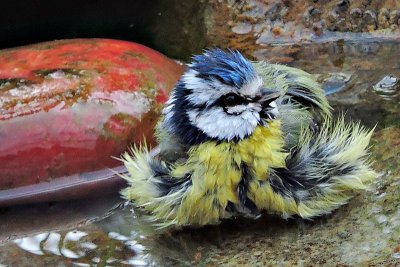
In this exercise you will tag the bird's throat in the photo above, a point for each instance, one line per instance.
(263, 150)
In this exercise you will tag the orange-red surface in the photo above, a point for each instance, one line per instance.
(68, 106)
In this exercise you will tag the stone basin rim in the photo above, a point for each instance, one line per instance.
(105, 181)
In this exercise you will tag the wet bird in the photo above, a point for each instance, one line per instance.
(238, 137)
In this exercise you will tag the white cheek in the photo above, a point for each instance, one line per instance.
(251, 117)
(217, 124)
(251, 107)
(236, 109)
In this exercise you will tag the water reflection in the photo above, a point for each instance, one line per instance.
(361, 78)
(83, 248)
(117, 240)
(55, 243)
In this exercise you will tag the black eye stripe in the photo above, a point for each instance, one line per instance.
(256, 98)
(231, 99)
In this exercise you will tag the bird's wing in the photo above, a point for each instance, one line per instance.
(302, 103)
(322, 172)
(171, 148)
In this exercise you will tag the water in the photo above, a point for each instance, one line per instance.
(361, 79)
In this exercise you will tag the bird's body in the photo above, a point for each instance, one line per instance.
(237, 138)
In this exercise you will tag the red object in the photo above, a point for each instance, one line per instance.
(68, 106)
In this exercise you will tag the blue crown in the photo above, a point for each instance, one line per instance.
(228, 67)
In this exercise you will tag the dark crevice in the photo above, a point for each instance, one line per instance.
(175, 28)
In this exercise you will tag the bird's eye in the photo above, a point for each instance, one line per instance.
(232, 100)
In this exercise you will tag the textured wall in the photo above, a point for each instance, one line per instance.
(248, 24)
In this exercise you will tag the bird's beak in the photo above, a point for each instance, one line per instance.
(269, 107)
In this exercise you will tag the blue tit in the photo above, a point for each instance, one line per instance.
(237, 138)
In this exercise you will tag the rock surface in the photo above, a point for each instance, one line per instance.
(251, 24)
(68, 106)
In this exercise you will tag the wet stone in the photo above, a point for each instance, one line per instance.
(335, 82)
(242, 28)
(341, 7)
(384, 18)
(356, 19)
(311, 16)
(318, 28)
(370, 21)
(295, 21)
(396, 255)
(395, 17)
(341, 25)
(60, 118)
(387, 87)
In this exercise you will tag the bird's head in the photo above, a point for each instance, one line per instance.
(220, 97)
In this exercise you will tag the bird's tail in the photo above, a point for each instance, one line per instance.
(325, 168)
(152, 188)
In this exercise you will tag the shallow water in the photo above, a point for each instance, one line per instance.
(361, 79)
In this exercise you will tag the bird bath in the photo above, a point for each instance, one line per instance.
(362, 80)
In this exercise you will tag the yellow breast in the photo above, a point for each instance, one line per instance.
(216, 170)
